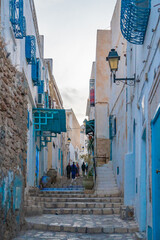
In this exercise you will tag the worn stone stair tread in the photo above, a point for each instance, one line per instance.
(84, 224)
(48, 199)
(117, 194)
(81, 205)
(82, 211)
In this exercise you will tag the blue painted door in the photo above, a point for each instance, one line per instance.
(156, 175)
(37, 167)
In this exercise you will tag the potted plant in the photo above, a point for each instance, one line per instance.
(88, 182)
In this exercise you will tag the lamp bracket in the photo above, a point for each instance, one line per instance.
(127, 81)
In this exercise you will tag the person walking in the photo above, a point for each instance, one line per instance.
(83, 168)
(68, 169)
(73, 169)
(77, 173)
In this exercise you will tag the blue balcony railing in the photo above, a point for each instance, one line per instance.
(134, 20)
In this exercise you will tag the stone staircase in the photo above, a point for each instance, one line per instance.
(67, 211)
(73, 203)
(78, 212)
(105, 181)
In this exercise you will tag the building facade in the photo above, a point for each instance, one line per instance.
(127, 110)
(37, 126)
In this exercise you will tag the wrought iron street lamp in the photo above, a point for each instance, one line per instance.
(113, 60)
(68, 140)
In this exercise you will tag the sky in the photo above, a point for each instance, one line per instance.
(69, 28)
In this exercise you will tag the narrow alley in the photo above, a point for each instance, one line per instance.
(79, 119)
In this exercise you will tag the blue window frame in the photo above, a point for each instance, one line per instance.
(30, 49)
(36, 72)
(17, 19)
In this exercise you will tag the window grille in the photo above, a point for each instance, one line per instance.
(30, 49)
(36, 72)
(17, 19)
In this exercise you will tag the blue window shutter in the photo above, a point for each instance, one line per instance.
(24, 26)
(59, 154)
(110, 126)
(36, 72)
(46, 100)
(30, 49)
(41, 87)
(17, 19)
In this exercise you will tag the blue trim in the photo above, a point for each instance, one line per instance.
(134, 20)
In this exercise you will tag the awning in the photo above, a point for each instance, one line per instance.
(47, 123)
(90, 127)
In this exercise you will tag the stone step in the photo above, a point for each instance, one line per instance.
(74, 205)
(84, 211)
(82, 224)
(51, 199)
(48, 235)
(66, 195)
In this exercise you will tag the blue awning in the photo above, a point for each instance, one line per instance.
(90, 127)
(49, 120)
(134, 20)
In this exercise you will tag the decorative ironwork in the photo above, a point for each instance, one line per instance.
(17, 19)
(134, 20)
(47, 123)
(30, 48)
(36, 72)
(127, 81)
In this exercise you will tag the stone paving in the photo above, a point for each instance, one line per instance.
(36, 235)
(82, 223)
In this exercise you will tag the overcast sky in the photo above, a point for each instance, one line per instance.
(69, 28)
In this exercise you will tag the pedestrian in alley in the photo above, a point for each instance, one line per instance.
(83, 168)
(77, 173)
(68, 169)
(73, 169)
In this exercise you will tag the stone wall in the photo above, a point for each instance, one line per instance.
(13, 146)
(103, 151)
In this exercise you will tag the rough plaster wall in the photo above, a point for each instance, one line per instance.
(13, 146)
(102, 93)
(103, 151)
